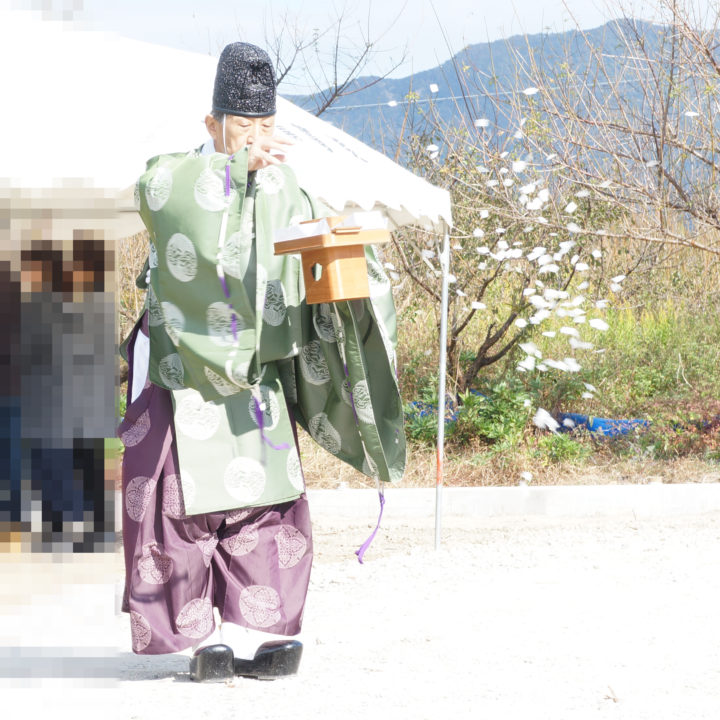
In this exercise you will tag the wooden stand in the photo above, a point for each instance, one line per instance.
(333, 262)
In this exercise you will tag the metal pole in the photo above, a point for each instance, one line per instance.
(445, 269)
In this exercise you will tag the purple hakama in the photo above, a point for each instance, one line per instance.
(252, 564)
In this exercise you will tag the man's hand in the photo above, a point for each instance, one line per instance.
(264, 150)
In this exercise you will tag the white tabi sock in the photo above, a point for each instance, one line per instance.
(245, 641)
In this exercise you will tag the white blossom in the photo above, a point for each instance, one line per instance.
(580, 344)
(527, 364)
(545, 421)
(539, 316)
(530, 348)
(552, 268)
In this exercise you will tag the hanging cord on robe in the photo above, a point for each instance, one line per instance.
(221, 245)
(259, 409)
(360, 552)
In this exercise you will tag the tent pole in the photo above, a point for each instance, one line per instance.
(445, 269)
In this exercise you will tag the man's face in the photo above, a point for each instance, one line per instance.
(239, 131)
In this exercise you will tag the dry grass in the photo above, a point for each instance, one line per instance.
(469, 469)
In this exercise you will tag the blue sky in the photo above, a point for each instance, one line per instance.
(396, 25)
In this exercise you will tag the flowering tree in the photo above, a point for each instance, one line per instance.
(524, 271)
(636, 120)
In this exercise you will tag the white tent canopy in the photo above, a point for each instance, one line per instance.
(89, 108)
(93, 107)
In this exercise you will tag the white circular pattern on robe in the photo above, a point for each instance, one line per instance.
(195, 620)
(270, 179)
(260, 605)
(219, 323)
(136, 434)
(155, 566)
(209, 190)
(174, 321)
(294, 470)
(172, 372)
(239, 373)
(137, 496)
(157, 190)
(379, 282)
(244, 479)
(236, 254)
(362, 403)
(291, 546)
(271, 413)
(196, 418)
(207, 544)
(275, 307)
(139, 631)
(242, 542)
(324, 433)
(221, 385)
(369, 467)
(152, 256)
(181, 257)
(313, 364)
(188, 489)
(172, 501)
(155, 313)
(322, 320)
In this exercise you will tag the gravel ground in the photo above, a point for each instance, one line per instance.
(535, 618)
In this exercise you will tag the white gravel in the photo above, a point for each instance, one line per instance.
(529, 618)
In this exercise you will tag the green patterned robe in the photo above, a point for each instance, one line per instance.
(237, 365)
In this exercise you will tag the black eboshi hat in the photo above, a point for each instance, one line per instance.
(244, 82)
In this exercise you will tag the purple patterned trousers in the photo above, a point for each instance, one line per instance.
(252, 564)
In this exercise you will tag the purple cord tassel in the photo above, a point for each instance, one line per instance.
(260, 418)
(227, 176)
(360, 552)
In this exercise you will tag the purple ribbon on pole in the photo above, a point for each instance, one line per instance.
(360, 552)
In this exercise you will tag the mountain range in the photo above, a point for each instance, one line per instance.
(375, 114)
